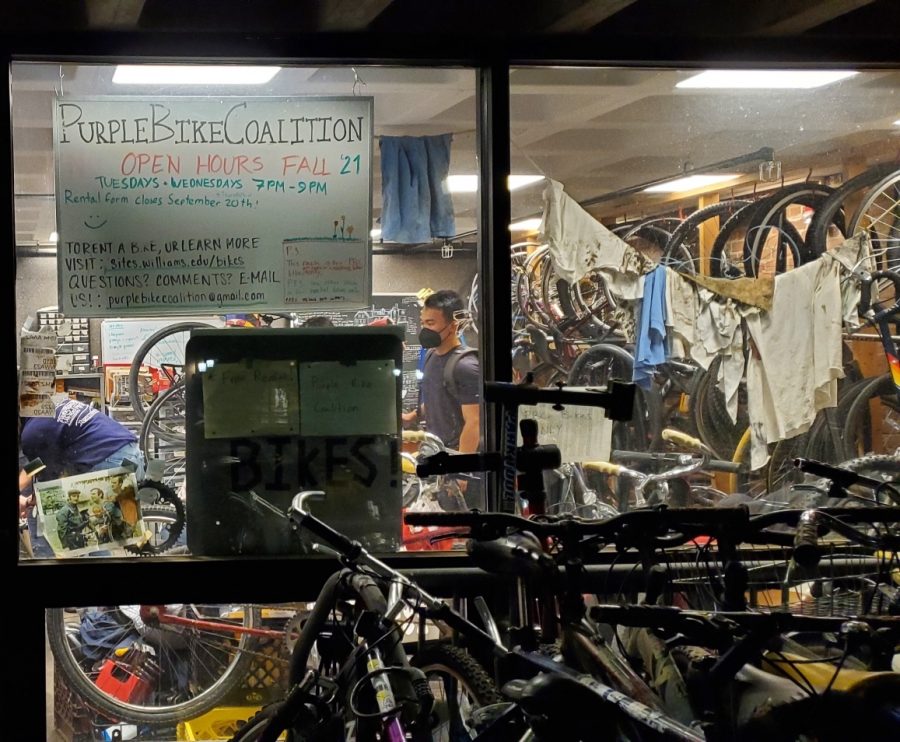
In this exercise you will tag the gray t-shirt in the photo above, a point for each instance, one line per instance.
(443, 416)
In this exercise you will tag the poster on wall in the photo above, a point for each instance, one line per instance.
(37, 372)
(212, 204)
(90, 512)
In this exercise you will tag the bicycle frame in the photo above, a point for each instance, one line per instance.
(161, 614)
(404, 591)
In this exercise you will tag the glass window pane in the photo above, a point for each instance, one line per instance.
(661, 188)
(155, 202)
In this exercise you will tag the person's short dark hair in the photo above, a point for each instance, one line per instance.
(446, 301)
(318, 321)
(76, 493)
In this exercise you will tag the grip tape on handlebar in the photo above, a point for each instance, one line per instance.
(325, 533)
(604, 467)
(681, 439)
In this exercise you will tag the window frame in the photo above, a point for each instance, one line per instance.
(121, 581)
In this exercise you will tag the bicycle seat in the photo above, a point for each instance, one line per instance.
(820, 674)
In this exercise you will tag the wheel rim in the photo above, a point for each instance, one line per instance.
(166, 673)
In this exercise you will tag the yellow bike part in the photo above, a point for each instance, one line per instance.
(819, 674)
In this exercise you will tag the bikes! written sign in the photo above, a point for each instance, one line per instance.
(224, 204)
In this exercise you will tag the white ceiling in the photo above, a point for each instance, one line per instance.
(596, 130)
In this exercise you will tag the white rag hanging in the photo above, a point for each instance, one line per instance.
(704, 326)
(579, 244)
(796, 359)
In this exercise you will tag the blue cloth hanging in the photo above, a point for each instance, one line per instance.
(416, 204)
(650, 343)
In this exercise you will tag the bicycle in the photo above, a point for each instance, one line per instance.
(737, 636)
(161, 664)
(325, 698)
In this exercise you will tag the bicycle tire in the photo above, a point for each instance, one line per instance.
(175, 462)
(238, 657)
(151, 425)
(856, 441)
(831, 212)
(134, 373)
(885, 467)
(642, 431)
(453, 666)
(810, 195)
(693, 222)
(252, 729)
(720, 266)
(710, 412)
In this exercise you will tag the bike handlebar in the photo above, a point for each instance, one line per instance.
(731, 467)
(493, 525)
(302, 518)
(733, 523)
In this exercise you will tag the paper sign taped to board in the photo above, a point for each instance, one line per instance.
(342, 400)
(251, 398)
(582, 433)
(323, 271)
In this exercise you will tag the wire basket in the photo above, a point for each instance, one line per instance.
(847, 581)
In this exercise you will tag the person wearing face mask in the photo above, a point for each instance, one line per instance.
(450, 402)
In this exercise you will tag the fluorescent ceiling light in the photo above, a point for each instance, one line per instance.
(469, 183)
(526, 225)
(768, 79)
(54, 237)
(689, 183)
(897, 122)
(462, 183)
(193, 74)
(520, 181)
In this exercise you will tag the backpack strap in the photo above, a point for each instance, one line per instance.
(456, 355)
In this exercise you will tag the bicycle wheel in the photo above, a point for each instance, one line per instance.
(162, 511)
(459, 685)
(710, 413)
(730, 255)
(770, 216)
(872, 425)
(165, 418)
(885, 468)
(596, 367)
(682, 251)
(132, 666)
(162, 434)
(831, 213)
(252, 729)
(879, 215)
(164, 352)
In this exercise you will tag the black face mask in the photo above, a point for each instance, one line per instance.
(430, 338)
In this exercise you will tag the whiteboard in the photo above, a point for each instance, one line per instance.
(121, 338)
(221, 204)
